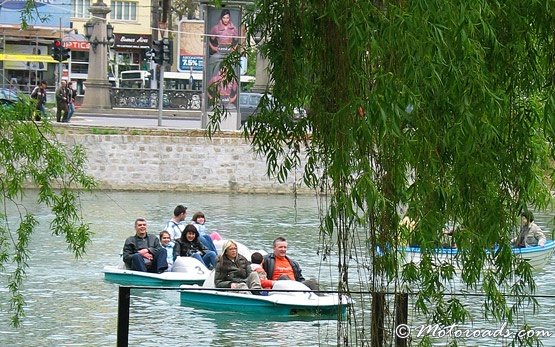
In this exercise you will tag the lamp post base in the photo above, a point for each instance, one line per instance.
(97, 97)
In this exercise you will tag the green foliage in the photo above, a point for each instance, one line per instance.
(439, 111)
(30, 156)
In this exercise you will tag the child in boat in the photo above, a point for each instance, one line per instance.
(198, 221)
(168, 244)
(256, 265)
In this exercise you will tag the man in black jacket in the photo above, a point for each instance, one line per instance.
(279, 266)
(143, 252)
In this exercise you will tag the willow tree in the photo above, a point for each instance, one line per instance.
(31, 157)
(439, 111)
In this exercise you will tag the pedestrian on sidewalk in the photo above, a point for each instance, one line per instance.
(61, 102)
(70, 101)
(39, 94)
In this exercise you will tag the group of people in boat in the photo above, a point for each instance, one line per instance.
(530, 233)
(157, 253)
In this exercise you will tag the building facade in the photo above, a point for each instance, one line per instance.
(25, 57)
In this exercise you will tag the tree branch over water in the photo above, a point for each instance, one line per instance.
(30, 156)
(438, 112)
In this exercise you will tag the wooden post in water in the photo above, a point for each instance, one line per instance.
(123, 316)
(378, 311)
(401, 317)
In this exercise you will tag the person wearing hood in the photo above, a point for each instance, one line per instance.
(234, 271)
(189, 245)
(530, 233)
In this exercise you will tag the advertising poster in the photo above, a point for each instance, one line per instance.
(223, 35)
(191, 46)
(32, 52)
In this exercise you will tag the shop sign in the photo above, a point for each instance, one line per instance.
(132, 41)
(77, 45)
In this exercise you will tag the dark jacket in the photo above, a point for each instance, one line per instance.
(228, 271)
(134, 244)
(61, 95)
(39, 95)
(270, 263)
(186, 248)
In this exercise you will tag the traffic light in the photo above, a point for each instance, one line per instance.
(158, 52)
(167, 49)
(56, 50)
(64, 53)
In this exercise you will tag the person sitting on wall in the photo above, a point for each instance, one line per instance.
(143, 252)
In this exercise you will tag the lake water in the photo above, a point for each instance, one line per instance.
(69, 303)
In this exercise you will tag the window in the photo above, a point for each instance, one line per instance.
(123, 10)
(81, 8)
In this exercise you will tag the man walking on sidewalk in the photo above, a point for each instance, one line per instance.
(61, 102)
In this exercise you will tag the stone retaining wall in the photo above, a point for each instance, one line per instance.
(184, 160)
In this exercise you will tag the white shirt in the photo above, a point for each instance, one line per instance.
(175, 229)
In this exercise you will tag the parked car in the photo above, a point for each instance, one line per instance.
(248, 103)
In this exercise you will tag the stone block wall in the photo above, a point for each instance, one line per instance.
(183, 160)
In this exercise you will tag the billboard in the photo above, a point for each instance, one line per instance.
(34, 54)
(223, 35)
(190, 45)
(55, 13)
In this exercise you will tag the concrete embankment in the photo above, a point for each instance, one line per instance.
(172, 159)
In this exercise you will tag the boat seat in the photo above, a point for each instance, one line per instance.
(188, 265)
(209, 281)
(289, 285)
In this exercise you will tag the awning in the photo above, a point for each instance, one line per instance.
(27, 57)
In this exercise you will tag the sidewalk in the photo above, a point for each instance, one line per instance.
(142, 113)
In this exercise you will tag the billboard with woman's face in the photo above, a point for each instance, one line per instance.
(223, 36)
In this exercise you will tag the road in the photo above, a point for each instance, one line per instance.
(121, 120)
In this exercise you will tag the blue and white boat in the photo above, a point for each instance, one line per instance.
(537, 256)
(186, 270)
(287, 298)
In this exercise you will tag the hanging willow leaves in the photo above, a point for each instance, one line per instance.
(438, 111)
(30, 156)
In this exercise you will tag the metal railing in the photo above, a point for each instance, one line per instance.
(148, 99)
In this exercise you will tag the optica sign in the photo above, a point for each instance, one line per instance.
(77, 45)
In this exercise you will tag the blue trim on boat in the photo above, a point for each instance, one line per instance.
(549, 244)
(135, 280)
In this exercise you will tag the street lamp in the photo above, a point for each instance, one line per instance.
(89, 29)
(100, 35)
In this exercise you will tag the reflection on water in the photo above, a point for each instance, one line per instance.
(69, 304)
